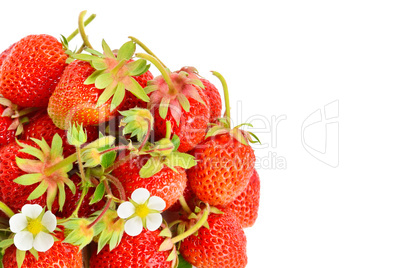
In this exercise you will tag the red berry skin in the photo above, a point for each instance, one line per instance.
(214, 100)
(167, 184)
(73, 101)
(59, 255)
(5, 54)
(6, 136)
(193, 124)
(135, 252)
(42, 126)
(12, 194)
(31, 71)
(223, 245)
(245, 206)
(223, 170)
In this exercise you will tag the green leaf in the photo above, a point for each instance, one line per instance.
(29, 179)
(85, 57)
(107, 50)
(34, 253)
(126, 51)
(118, 96)
(183, 263)
(176, 142)
(92, 78)
(183, 160)
(108, 159)
(43, 145)
(20, 255)
(62, 195)
(93, 51)
(103, 80)
(164, 107)
(99, 64)
(98, 194)
(39, 191)
(6, 243)
(152, 167)
(106, 94)
(34, 152)
(184, 102)
(135, 88)
(57, 147)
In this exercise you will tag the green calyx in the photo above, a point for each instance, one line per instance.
(114, 73)
(18, 117)
(76, 135)
(78, 232)
(109, 230)
(137, 122)
(37, 170)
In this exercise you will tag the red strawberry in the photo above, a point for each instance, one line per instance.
(5, 54)
(32, 70)
(11, 193)
(245, 206)
(167, 184)
(189, 196)
(212, 93)
(59, 255)
(135, 252)
(6, 135)
(223, 170)
(221, 245)
(74, 101)
(41, 126)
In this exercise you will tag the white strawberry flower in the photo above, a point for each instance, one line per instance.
(142, 211)
(32, 227)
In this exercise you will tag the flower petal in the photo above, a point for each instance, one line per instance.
(23, 240)
(133, 227)
(153, 221)
(140, 195)
(49, 221)
(156, 203)
(125, 210)
(31, 211)
(18, 222)
(43, 242)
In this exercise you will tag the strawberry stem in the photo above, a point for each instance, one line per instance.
(168, 129)
(3, 207)
(144, 47)
(80, 165)
(81, 29)
(226, 94)
(109, 202)
(184, 205)
(77, 209)
(117, 183)
(194, 228)
(66, 161)
(86, 22)
(165, 73)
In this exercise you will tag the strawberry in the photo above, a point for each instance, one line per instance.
(6, 135)
(212, 93)
(36, 62)
(42, 126)
(221, 245)
(245, 206)
(5, 54)
(167, 184)
(132, 101)
(59, 255)
(135, 252)
(225, 161)
(11, 193)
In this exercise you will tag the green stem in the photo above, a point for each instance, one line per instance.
(3, 207)
(109, 202)
(162, 70)
(194, 228)
(226, 94)
(81, 29)
(80, 165)
(25, 112)
(168, 129)
(66, 161)
(118, 185)
(144, 47)
(184, 205)
(145, 139)
(77, 209)
(86, 22)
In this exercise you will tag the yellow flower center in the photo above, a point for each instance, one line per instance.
(142, 210)
(34, 226)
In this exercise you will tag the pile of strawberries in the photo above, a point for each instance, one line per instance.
(139, 171)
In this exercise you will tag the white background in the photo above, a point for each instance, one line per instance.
(282, 58)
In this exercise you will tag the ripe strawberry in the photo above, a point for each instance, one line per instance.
(6, 135)
(212, 93)
(59, 255)
(223, 170)
(245, 206)
(135, 252)
(74, 101)
(167, 184)
(11, 193)
(31, 71)
(5, 54)
(221, 245)
(42, 126)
